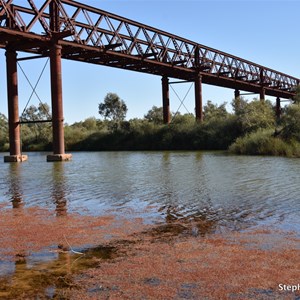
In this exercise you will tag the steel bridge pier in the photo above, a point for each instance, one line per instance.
(166, 99)
(198, 98)
(13, 108)
(237, 94)
(57, 106)
(262, 94)
(56, 89)
(278, 108)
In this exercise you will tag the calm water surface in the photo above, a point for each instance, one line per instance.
(235, 192)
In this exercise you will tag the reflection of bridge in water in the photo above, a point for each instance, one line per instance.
(58, 187)
(72, 30)
(16, 196)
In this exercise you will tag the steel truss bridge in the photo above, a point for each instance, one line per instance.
(71, 30)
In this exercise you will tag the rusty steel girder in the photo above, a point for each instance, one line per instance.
(92, 35)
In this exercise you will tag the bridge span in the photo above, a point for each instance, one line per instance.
(72, 30)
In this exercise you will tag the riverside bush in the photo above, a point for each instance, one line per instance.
(263, 142)
(248, 130)
(291, 123)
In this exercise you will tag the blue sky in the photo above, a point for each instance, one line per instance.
(265, 32)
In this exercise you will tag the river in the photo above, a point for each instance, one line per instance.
(125, 207)
(234, 192)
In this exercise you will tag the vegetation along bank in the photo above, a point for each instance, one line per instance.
(251, 128)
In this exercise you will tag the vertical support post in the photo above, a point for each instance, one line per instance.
(57, 106)
(13, 109)
(236, 94)
(198, 98)
(56, 98)
(237, 99)
(198, 87)
(262, 91)
(278, 108)
(56, 91)
(54, 16)
(166, 99)
(262, 94)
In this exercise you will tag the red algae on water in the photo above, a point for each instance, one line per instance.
(130, 260)
(28, 230)
(189, 267)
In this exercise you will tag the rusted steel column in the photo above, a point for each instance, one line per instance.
(262, 94)
(166, 99)
(262, 91)
(13, 108)
(236, 94)
(13, 102)
(237, 99)
(56, 90)
(198, 98)
(278, 108)
(54, 15)
(56, 98)
(57, 106)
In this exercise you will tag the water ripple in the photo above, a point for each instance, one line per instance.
(232, 191)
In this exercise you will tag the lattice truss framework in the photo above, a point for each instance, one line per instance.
(92, 35)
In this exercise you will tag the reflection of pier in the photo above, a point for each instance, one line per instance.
(16, 197)
(59, 189)
(15, 190)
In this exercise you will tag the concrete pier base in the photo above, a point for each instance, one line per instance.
(15, 158)
(59, 157)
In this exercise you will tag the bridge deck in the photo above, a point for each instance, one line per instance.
(95, 36)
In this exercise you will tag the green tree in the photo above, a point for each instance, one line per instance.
(3, 123)
(33, 113)
(185, 119)
(255, 115)
(90, 124)
(291, 122)
(297, 97)
(3, 132)
(36, 133)
(238, 105)
(155, 115)
(113, 108)
(213, 111)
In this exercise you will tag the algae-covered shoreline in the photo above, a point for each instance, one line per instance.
(109, 258)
